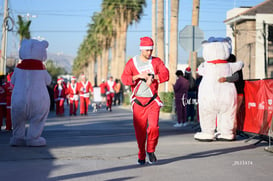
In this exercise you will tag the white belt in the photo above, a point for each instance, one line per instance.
(85, 95)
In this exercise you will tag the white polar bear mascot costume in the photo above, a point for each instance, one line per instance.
(217, 101)
(30, 99)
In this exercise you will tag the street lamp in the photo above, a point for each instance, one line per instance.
(28, 16)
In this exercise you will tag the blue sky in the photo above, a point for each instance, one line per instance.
(64, 22)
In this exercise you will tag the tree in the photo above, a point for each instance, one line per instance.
(160, 29)
(104, 32)
(108, 30)
(53, 70)
(174, 43)
(160, 34)
(154, 26)
(23, 29)
(125, 12)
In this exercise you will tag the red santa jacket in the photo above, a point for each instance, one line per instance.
(8, 88)
(103, 88)
(110, 86)
(85, 88)
(159, 69)
(73, 91)
(2, 95)
(59, 94)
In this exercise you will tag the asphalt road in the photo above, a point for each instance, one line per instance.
(102, 146)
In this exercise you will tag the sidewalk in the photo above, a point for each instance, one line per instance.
(102, 146)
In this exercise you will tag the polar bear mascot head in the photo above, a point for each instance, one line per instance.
(216, 49)
(33, 49)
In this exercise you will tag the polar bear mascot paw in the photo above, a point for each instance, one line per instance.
(200, 136)
(17, 142)
(36, 142)
(221, 137)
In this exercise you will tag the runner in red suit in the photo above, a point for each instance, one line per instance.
(73, 93)
(59, 96)
(144, 73)
(103, 89)
(85, 88)
(110, 93)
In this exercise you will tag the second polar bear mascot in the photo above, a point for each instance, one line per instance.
(217, 101)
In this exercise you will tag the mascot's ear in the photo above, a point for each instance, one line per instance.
(204, 42)
(228, 40)
(212, 39)
(45, 43)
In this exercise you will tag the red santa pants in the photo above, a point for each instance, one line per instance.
(84, 102)
(181, 110)
(60, 107)
(2, 114)
(8, 116)
(109, 102)
(73, 106)
(143, 117)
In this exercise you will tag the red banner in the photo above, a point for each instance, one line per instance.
(258, 107)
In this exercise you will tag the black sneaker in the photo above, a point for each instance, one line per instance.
(151, 158)
(141, 162)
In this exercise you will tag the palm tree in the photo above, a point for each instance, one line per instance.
(108, 30)
(154, 26)
(195, 22)
(104, 30)
(125, 12)
(160, 29)
(23, 29)
(174, 42)
(160, 35)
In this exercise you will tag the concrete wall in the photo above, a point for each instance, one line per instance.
(260, 48)
(246, 45)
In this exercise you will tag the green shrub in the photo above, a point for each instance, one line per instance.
(167, 99)
(126, 100)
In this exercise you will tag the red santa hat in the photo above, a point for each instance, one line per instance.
(146, 43)
(60, 79)
(73, 78)
(9, 77)
(188, 70)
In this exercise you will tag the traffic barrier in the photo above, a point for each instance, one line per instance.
(256, 114)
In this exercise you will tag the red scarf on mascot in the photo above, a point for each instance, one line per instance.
(31, 64)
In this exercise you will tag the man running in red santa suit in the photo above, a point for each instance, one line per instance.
(144, 73)
(59, 96)
(85, 88)
(73, 93)
(110, 93)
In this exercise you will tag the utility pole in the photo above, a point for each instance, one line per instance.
(4, 40)
(195, 22)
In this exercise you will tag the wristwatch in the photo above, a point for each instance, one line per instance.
(153, 76)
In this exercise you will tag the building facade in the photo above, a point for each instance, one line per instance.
(250, 29)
